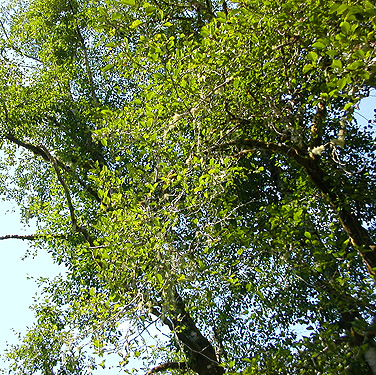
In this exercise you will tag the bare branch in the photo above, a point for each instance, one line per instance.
(169, 366)
(292, 152)
(29, 237)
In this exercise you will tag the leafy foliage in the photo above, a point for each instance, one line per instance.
(195, 164)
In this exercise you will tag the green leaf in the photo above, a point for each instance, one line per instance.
(129, 2)
(150, 9)
(354, 65)
(341, 83)
(319, 45)
(338, 8)
(336, 64)
(345, 27)
(307, 68)
(108, 67)
(313, 56)
(135, 24)
(308, 235)
(116, 15)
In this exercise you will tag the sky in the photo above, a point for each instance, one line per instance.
(17, 286)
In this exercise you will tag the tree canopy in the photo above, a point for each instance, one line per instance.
(197, 166)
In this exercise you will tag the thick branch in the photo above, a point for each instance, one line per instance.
(34, 149)
(253, 144)
(168, 366)
(40, 152)
(358, 235)
(200, 353)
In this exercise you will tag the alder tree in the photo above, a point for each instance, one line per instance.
(197, 167)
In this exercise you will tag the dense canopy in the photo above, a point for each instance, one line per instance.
(197, 167)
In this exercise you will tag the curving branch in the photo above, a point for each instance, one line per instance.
(358, 235)
(75, 226)
(38, 150)
(168, 366)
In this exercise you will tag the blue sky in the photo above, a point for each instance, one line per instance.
(17, 289)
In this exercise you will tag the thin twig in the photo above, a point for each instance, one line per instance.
(30, 237)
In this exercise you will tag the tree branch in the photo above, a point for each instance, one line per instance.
(75, 225)
(198, 349)
(29, 237)
(86, 59)
(40, 152)
(169, 366)
(292, 152)
(358, 235)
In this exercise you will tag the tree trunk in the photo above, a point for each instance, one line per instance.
(200, 353)
(370, 357)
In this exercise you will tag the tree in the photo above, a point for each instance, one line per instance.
(198, 164)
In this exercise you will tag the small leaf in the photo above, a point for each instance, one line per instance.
(339, 8)
(149, 9)
(347, 106)
(116, 16)
(231, 364)
(337, 64)
(307, 68)
(313, 55)
(331, 52)
(308, 235)
(345, 27)
(240, 251)
(342, 83)
(354, 65)
(159, 278)
(107, 68)
(135, 24)
(129, 2)
(318, 45)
